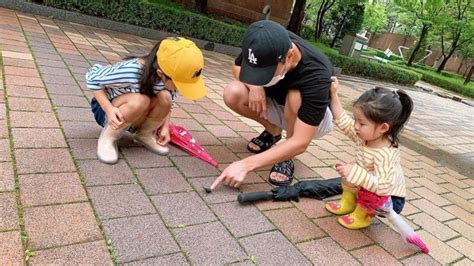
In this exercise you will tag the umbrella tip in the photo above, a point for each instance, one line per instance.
(208, 190)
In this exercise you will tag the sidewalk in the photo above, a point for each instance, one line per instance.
(58, 204)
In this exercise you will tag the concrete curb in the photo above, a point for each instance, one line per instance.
(69, 16)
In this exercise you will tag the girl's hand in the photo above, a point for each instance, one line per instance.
(163, 135)
(115, 117)
(344, 169)
(334, 85)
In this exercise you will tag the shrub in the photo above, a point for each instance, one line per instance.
(154, 16)
(450, 83)
(307, 32)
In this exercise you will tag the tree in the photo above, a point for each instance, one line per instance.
(346, 18)
(323, 8)
(425, 11)
(297, 16)
(456, 27)
(375, 18)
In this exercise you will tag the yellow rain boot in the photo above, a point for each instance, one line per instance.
(346, 204)
(358, 219)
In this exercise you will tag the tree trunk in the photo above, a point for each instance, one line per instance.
(201, 6)
(318, 28)
(451, 52)
(460, 65)
(297, 16)
(424, 32)
(468, 78)
(336, 35)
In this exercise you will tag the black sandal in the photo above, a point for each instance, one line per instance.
(264, 141)
(286, 168)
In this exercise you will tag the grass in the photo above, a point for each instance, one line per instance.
(451, 83)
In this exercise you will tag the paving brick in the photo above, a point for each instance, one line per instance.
(179, 113)
(7, 181)
(23, 81)
(461, 214)
(33, 119)
(221, 131)
(221, 154)
(205, 138)
(8, 214)
(420, 259)
(438, 250)
(174, 259)
(190, 124)
(119, 201)
(81, 130)
(294, 224)
(348, 239)
(64, 89)
(58, 225)
(38, 138)
(139, 237)
(464, 262)
(162, 180)
(433, 210)
(310, 160)
(325, 251)
(239, 126)
(458, 191)
(206, 119)
(142, 158)
(373, 255)
(220, 194)
(4, 150)
(30, 161)
(182, 209)
(431, 196)
(312, 208)
(231, 215)
(59, 79)
(3, 129)
(46, 189)
(83, 148)
(29, 104)
(11, 249)
(265, 204)
(390, 240)
(27, 92)
(326, 172)
(453, 180)
(463, 246)
(430, 185)
(194, 167)
(454, 198)
(75, 114)
(69, 100)
(85, 253)
(462, 228)
(98, 173)
(210, 243)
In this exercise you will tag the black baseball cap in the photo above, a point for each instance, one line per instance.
(265, 43)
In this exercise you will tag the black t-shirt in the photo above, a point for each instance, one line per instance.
(312, 76)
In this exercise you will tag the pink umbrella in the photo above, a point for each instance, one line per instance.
(183, 139)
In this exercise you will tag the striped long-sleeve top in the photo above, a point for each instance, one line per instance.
(378, 170)
(120, 78)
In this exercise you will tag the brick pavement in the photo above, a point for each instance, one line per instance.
(58, 204)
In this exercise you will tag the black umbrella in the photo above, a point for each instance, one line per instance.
(317, 189)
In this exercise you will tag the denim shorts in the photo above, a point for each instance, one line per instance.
(99, 114)
(398, 204)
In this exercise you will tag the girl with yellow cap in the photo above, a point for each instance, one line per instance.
(137, 94)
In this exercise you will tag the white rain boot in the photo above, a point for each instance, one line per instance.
(107, 150)
(146, 135)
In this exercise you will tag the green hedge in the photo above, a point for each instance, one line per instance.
(160, 17)
(449, 83)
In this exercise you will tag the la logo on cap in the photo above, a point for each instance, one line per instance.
(252, 58)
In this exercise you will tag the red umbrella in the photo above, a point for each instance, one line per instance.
(183, 139)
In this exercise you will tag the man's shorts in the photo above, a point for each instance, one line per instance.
(276, 116)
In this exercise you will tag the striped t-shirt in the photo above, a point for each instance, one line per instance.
(378, 170)
(121, 78)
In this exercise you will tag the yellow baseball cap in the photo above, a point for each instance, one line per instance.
(182, 61)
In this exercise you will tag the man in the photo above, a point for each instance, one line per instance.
(282, 83)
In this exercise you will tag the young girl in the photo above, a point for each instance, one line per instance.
(376, 177)
(137, 94)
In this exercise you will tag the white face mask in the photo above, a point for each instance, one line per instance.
(276, 79)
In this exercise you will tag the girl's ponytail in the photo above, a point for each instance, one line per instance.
(402, 119)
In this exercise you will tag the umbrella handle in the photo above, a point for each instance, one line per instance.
(254, 196)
